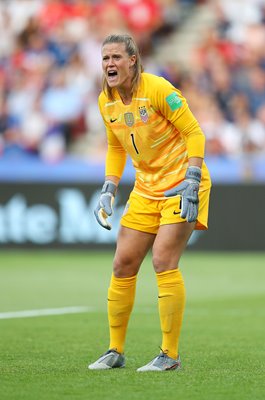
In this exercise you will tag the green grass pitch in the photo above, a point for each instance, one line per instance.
(46, 357)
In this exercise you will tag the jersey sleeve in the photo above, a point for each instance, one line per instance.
(170, 102)
(116, 155)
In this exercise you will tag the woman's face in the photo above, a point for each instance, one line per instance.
(117, 65)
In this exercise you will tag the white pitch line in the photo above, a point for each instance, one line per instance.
(45, 312)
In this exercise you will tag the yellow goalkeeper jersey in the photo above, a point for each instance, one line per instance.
(158, 131)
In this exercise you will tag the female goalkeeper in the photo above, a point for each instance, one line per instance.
(149, 119)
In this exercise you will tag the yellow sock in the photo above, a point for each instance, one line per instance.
(171, 303)
(121, 296)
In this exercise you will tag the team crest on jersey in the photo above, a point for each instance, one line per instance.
(129, 119)
(143, 114)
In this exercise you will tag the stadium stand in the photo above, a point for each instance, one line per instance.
(50, 72)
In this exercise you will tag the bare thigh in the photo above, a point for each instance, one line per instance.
(132, 247)
(171, 240)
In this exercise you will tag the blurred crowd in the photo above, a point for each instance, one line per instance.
(226, 83)
(50, 72)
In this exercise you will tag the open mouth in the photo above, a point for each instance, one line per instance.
(112, 74)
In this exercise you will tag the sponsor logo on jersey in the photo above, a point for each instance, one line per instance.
(129, 119)
(143, 114)
(173, 101)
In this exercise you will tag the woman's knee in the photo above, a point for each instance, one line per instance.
(164, 262)
(125, 266)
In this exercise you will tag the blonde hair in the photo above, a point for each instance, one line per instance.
(131, 49)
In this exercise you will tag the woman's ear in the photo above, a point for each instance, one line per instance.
(132, 60)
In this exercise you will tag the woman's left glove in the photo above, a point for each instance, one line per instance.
(104, 206)
(188, 190)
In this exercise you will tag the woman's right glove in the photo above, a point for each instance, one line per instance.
(104, 206)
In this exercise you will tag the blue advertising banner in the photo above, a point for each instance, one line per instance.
(49, 215)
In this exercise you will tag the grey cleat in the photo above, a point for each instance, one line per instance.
(161, 363)
(110, 359)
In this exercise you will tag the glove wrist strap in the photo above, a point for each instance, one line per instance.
(109, 187)
(194, 173)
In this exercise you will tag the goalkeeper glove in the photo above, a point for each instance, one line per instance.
(188, 190)
(104, 206)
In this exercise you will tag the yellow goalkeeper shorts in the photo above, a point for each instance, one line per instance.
(147, 215)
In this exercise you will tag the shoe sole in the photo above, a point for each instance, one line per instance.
(173, 368)
(104, 368)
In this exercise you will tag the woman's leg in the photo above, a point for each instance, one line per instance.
(169, 245)
(132, 247)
